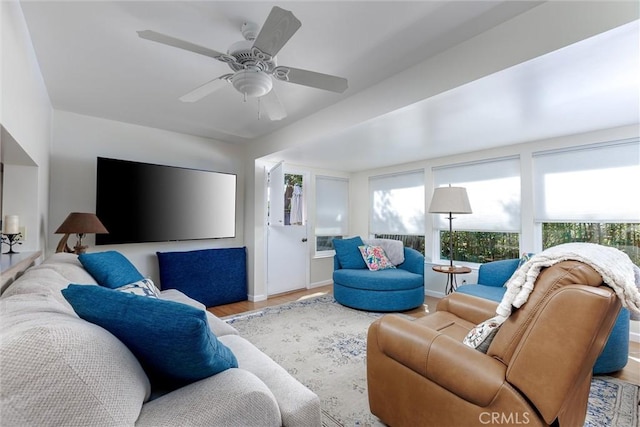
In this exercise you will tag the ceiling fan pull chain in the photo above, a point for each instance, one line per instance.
(259, 111)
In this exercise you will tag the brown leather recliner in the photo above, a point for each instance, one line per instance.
(537, 370)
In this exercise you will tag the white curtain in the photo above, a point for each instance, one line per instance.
(332, 206)
(596, 183)
(397, 203)
(493, 187)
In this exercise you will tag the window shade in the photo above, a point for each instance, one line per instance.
(397, 204)
(589, 184)
(332, 206)
(493, 188)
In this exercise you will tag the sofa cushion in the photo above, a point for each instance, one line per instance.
(172, 341)
(348, 254)
(383, 280)
(59, 370)
(493, 293)
(375, 257)
(110, 269)
(298, 405)
(50, 277)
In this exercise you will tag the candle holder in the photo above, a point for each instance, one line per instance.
(11, 239)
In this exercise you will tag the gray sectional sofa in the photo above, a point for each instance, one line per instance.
(58, 369)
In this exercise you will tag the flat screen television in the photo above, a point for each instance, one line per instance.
(142, 202)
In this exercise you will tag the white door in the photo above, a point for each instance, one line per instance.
(287, 248)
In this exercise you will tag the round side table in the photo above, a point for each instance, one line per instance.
(451, 273)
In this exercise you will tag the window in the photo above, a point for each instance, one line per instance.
(332, 207)
(589, 194)
(492, 232)
(397, 207)
(624, 236)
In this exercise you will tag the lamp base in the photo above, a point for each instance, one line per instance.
(62, 245)
(78, 249)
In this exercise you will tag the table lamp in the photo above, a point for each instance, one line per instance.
(78, 223)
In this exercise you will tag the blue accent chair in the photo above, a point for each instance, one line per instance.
(491, 279)
(397, 289)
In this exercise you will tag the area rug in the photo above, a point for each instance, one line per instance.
(323, 345)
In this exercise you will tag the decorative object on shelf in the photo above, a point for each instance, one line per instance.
(11, 239)
(11, 233)
(78, 223)
(450, 200)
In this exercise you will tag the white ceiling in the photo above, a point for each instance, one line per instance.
(93, 63)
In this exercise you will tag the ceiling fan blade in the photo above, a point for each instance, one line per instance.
(311, 78)
(272, 106)
(180, 44)
(276, 31)
(206, 89)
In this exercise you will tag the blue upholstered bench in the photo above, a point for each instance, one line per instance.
(491, 279)
(397, 289)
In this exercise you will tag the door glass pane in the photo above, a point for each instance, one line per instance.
(293, 206)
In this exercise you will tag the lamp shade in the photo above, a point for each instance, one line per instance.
(81, 223)
(450, 200)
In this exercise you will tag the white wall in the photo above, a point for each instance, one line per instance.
(25, 115)
(78, 140)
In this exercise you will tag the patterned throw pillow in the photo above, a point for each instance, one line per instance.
(375, 258)
(481, 336)
(144, 287)
(526, 256)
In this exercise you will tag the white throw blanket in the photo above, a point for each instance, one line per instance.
(615, 267)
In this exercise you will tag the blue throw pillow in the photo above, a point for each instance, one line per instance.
(348, 253)
(172, 341)
(110, 268)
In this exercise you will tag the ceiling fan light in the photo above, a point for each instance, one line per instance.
(252, 83)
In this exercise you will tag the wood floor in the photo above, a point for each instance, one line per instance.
(630, 373)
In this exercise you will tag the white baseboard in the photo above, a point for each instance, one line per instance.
(257, 298)
(435, 294)
(634, 336)
(320, 283)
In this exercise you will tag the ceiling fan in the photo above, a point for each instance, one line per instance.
(254, 64)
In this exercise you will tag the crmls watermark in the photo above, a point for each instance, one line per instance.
(504, 418)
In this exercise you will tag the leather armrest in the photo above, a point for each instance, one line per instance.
(470, 308)
(464, 371)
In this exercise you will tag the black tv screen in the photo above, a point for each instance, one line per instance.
(142, 202)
